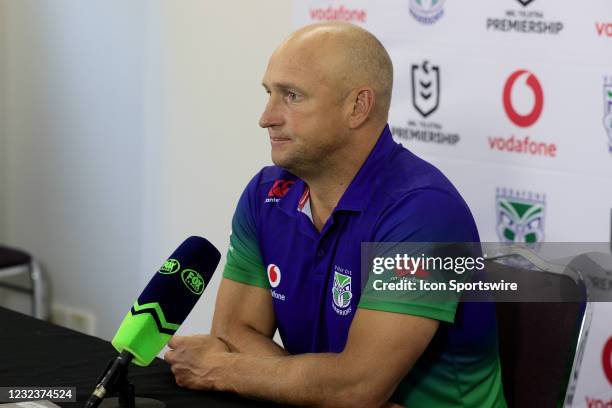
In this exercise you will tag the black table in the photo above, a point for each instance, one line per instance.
(36, 353)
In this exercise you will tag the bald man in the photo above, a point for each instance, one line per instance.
(294, 260)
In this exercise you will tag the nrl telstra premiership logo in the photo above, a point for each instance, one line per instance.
(425, 88)
(341, 291)
(608, 109)
(426, 11)
(525, 3)
(520, 216)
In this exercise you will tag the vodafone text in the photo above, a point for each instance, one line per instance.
(598, 403)
(603, 29)
(524, 145)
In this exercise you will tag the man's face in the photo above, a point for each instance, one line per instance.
(304, 113)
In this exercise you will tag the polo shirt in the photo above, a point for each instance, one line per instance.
(316, 281)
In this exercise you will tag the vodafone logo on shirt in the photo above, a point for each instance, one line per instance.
(528, 119)
(274, 275)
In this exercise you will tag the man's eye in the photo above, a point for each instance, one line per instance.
(292, 96)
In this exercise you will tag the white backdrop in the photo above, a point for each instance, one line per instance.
(128, 126)
(452, 63)
(120, 125)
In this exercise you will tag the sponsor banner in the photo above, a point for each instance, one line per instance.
(510, 111)
(511, 100)
(501, 28)
(564, 197)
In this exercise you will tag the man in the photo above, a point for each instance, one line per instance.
(294, 257)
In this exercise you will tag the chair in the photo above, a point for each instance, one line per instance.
(540, 341)
(16, 264)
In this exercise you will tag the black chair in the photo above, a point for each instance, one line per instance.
(17, 266)
(540, 340)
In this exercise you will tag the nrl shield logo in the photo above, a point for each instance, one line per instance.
(520, 216)
(525, 3)
(425, 88)
(341, 291)
(608, 109)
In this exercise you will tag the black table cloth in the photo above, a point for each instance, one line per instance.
(37, 353)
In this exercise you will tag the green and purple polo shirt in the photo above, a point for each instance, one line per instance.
(316, 281)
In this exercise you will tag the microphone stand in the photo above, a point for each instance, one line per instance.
(115, 379)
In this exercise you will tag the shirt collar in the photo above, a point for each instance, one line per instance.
(358, 193)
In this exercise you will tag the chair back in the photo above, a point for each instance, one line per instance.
(539, 340)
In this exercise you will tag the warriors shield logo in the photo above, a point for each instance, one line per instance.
(426, 11)
(608, 110)
(341, 291)
(520, 216)
(425, 88)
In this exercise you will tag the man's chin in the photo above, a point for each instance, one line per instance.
(283, 161)
(280, 161)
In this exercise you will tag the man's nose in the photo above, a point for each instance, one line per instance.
(270, 116)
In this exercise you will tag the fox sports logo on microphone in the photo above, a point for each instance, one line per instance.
(193, 281)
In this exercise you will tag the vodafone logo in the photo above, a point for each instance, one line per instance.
(274, 275)
(604, 29)
(528, 119)
(606, 359)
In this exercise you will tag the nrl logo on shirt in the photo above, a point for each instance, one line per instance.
(520, 216)
(342, 293)
(278, 190)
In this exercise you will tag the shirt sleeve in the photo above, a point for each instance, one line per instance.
(417, 225)
(244, 263)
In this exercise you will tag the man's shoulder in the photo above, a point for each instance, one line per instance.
(419, 201)
(406, 174)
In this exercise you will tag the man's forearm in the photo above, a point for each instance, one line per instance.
(321, 379)
(247, 340)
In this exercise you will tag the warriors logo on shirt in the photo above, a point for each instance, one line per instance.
(341, 293)
(274, 275)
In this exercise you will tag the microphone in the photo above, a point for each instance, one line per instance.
(159, 311)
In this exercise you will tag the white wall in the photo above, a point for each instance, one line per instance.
(3, 129)
(208, 97)
(132, 125)
(74, 142)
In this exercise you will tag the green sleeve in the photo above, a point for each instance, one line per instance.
(244, 262)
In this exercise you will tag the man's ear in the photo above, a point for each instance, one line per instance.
(362, 106)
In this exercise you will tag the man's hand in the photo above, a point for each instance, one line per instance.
(343, 379)
(194, 360)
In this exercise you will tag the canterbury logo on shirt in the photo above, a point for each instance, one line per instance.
(278, 190)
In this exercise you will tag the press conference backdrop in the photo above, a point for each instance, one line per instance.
(512, 99)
